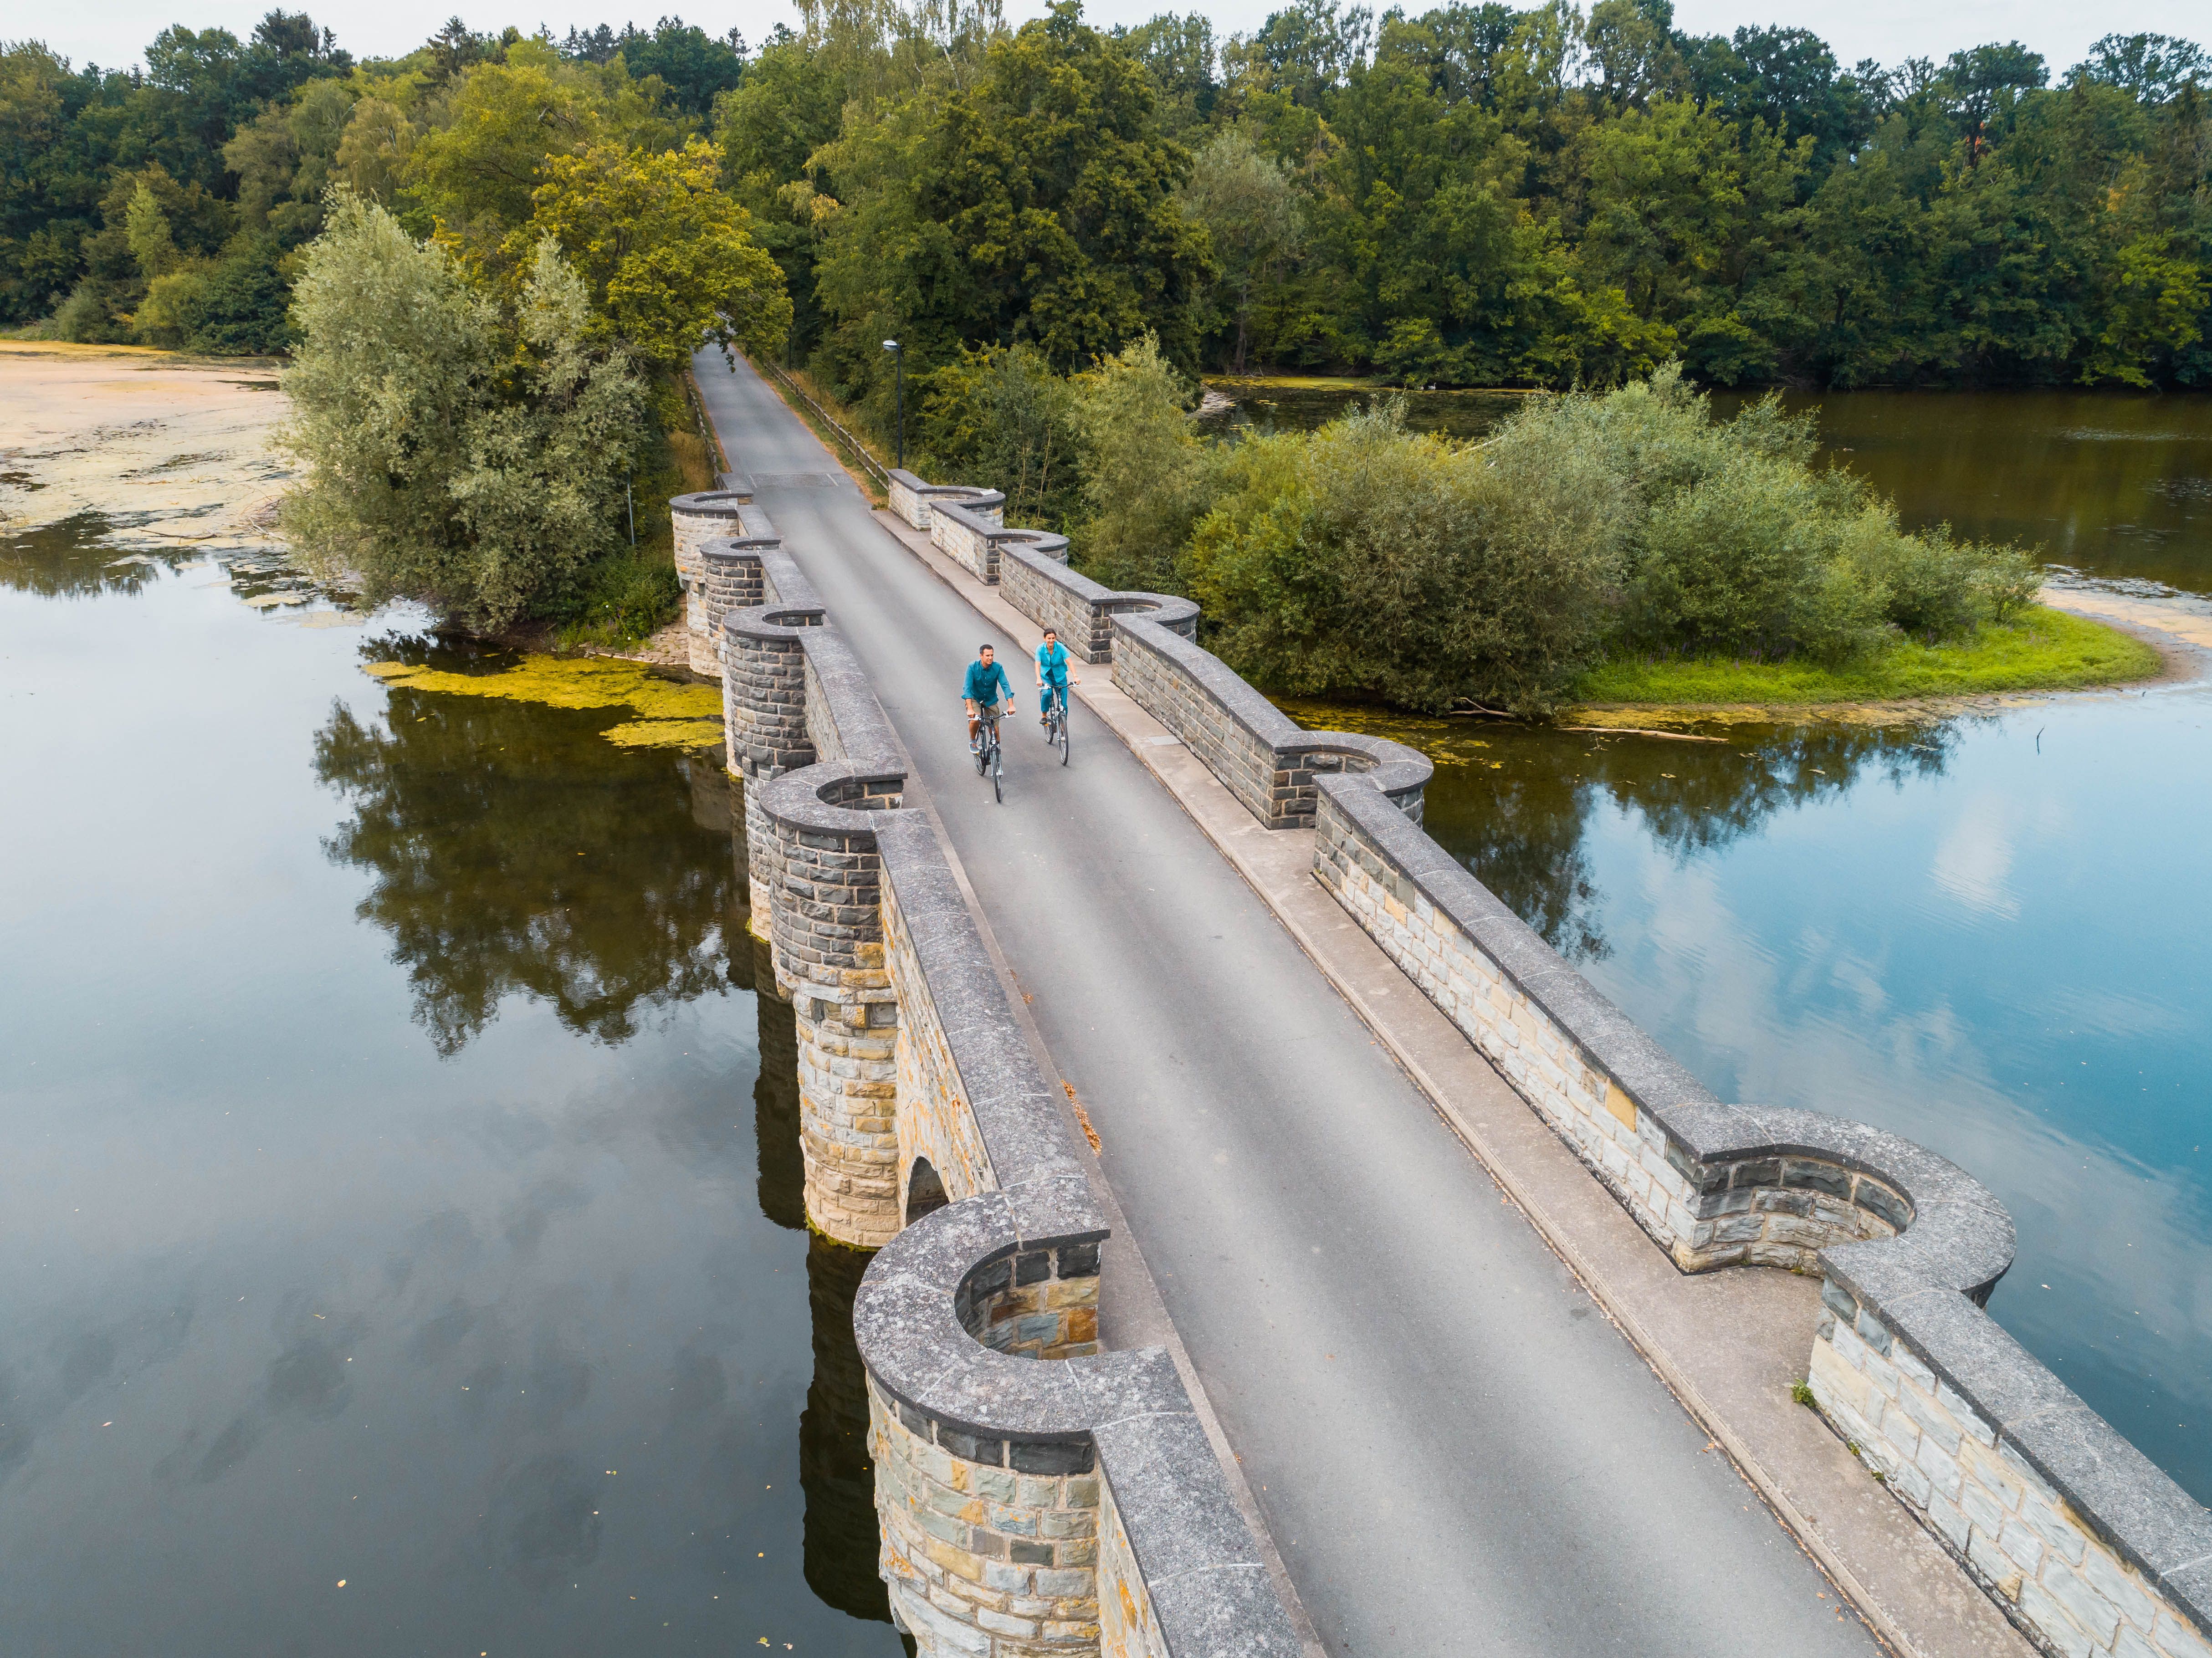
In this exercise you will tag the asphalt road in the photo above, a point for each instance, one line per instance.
(1455, 1449)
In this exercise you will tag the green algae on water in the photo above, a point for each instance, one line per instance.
(670, 715)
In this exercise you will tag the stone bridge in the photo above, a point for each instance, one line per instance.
(1243, 1175)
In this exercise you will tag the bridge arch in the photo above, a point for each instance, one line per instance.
(925, 1190)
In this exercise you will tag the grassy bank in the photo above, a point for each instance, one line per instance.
(2045, 650)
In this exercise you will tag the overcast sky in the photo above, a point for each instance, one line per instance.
(114, 32)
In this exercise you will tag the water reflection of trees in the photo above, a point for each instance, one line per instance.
(514, 849)
(1516, 819)
(72, 559)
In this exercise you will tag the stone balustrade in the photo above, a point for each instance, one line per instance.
(1035, 1496)
(708, 515)
(912, 499)
(2086, 1545)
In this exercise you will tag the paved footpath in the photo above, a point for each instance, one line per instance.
(1454, 1450)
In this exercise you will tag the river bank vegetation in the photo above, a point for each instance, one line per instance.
(490, 261)
(1623, 546)
(493, 257)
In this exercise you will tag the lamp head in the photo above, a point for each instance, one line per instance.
(890, 345)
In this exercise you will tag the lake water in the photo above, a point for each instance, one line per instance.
(1992, 934)
(2116, 487)
(407, 1235)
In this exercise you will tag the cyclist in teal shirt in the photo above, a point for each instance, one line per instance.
(1052, 660)
(984, 688)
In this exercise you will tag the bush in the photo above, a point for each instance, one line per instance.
(1146, 477)
(1363, 559)
(470, 458)
(1366, 561)
(244, 304)
(623, 600)
(1000, 417)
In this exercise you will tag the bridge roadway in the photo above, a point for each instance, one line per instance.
(1456, 1451)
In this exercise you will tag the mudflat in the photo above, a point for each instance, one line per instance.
(173, 451)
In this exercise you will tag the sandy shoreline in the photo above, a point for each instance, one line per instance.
(173, 451)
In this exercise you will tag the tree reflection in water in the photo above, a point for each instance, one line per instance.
(512, 849)
(73, 559)
(1513, 803)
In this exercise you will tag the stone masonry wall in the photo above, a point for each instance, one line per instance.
(934, 1121)
(827, 928)
(1062, 600)
(990, 1547)
(911, 498)
(696, 520)
(1127, 1627)
(966, 537)
(2014, 1533)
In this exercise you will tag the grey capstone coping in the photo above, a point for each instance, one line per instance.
(1224, 1611)
(712, 503)
(1207, 1584)
(735, 484)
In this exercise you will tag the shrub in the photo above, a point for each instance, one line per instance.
(457, 454)
(1366, 561)
(1146, 477)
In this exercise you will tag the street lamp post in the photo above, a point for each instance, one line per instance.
(898, 399)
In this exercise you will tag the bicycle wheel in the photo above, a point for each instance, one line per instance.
(998, 793)
(1063, 733)
(981, 749)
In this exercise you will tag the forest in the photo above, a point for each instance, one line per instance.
(1473, 194)
(491, 259)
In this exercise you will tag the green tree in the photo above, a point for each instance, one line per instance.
(1250, 207)
(472, 459)
(1036, 206)
(668, 258)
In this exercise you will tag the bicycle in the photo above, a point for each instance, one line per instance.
(1056, 721)
(984, 745)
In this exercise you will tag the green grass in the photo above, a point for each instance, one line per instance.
(2045, 650)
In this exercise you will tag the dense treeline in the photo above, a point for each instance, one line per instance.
(488, 260)
(1474, 194)
(1478, 195)
(167, 205)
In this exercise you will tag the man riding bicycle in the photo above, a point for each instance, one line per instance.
(984, 689)
(1052, 676)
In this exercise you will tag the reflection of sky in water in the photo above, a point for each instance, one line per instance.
(2007, 962)
(503, 1338)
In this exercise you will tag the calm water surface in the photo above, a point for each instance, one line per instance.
(1993, 937)
(2116, 487)
(395, 1191)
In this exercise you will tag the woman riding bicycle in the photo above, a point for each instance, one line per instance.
(1052, 676)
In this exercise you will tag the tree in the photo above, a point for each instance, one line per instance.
(1250, 209)
(668, 258)
(476, 172)
(468, 458)
(695, 68)
(1036, 206)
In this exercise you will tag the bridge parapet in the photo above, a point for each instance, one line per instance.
(1035, 1496)
(914, 499)
(698, 518)
(2083, 1542)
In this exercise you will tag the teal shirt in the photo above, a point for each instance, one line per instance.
(985, 686)
(1052, 663)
